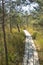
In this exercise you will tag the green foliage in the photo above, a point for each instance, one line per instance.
(41, 22)
(15, 47)
(15, 40)
(37, 34)
(34, 35)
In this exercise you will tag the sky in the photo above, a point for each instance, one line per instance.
(27, 7)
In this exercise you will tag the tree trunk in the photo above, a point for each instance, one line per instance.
(18, 27)
(2, 58)
(10, 26)
(3, 27)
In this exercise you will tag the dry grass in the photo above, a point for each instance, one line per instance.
(15, 47)
(38, 42)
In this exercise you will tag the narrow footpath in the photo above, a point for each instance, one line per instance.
(30, 54)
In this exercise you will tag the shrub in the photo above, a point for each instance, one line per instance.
(34, 35)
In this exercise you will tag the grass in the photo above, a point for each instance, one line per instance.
(15, 47)
(38, 41)
(39, 46)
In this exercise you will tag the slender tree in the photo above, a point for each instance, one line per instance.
(3, 27)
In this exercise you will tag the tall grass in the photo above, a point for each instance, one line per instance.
(15, 47)
(37, 33)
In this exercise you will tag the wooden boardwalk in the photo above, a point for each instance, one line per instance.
(30, 54)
